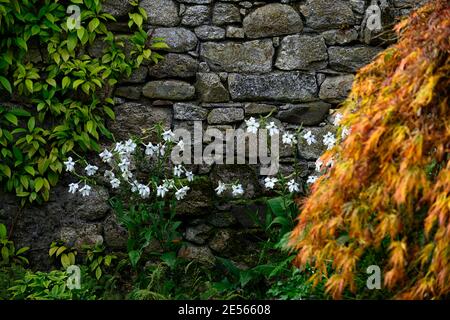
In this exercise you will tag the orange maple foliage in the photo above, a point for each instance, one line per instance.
(390, 182)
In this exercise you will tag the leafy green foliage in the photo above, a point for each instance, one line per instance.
(66, 256)
(65, 98)
(9, 254)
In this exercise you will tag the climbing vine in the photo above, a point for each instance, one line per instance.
(58, 95)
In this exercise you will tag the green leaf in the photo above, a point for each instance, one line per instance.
(22, 43)
(30, 170)
(3, 231)
(134, 257)
(98, 273)
(38, 184)
(93, 24)
(5, 83)
(22, 250)
(11, 118)
(29, 85)
(31, 124)
(72, 42)
(109, 112)
(65, 82)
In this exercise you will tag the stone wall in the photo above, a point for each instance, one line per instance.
(228, 60)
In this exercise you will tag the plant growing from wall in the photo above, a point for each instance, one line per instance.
(389, 190)
(59, 98)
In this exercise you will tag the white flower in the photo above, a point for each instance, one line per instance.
(309, 137)
(252, 125)
(181, 193)
(169, 184)
(345, 132)
(237, 190)
(161, 191)
(73, 187)
(127, 175)
(160, 149)
(85, 191)
(272, 128)
(150, 149)
(115, 183)
(329, 140)
(221, 188)
(90, 170)
(168, 135)
(319, 164)
(144, 191)
(109, 174)
(337, 119)
(269, 183)
(134, 186)
(189, 176)
(289, 138)
(330, 163)
(177, 170)
(120, 148)
(124, 165)
(106, 155)
(311, 179)
(70, 165)
(293, 186)
(130, 146)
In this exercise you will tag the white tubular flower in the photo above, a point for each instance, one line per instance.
(269, 183)
(161, 191)
(106, 156)
(168, 135)
(293, 186)
(124, 165)
(85, 191)
(90, 170)
(237, 190)
(337, 119)
(329, 140)
(319, 164)
(115, 183)
(221, 188)
(127, 175)
(289, 138)
(177, 170)
(130, 146)
(160, 149)
(73, 187)
(189, 176)
(120, 148)
(144, 191)
(109, 174)
(310, 138)
(134, 186)
(311, 179)
(272, 128)
(150, 149)
(252, 125)
(181, 193)
(70, 165)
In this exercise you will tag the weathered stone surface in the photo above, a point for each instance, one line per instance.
(235, 32)
(225, 115)
(137, 76)
(84, 234)
(272, 20)
(161, 12)
(308, 114)
(129, 92)
(259, 108)
(210, 32)
(336, 89)
(279, 86)
(198, 200)
(189, 111)
(221, 241)
(117, 8)
(315, 150)
(350, 59)
(178, 39)
(221, 219)
(168, 90)
(198, 234)
(225, 13)
(321, 14)
(115, 235)
(408, 3)
(333, 37)
(302, 52)
(201, 254)
(174, 65)
(131, 117)
(245, 174)
(195, 15)
(210, 88)
(250, 56)
(196, 1)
